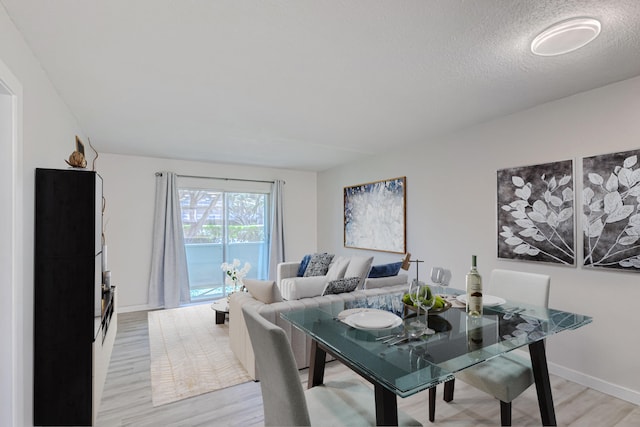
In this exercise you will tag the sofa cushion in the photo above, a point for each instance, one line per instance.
(340, 286)
(303, 265)
(385, 270)
(263, 290)
(359, 267)
(382, 282)
(337, 268)
(318, 265)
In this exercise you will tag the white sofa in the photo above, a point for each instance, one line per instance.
(290, 292)
(293, 287)
(300, 342)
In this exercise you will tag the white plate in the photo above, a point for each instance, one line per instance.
(487, 300)
(373, 319)
(346, 313)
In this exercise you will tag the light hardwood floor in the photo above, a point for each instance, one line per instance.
(126, 399)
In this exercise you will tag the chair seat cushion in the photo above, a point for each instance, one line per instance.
(346, 403)
(504, 377)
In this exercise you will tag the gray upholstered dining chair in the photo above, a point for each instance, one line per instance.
(286, 403)
(507, 376)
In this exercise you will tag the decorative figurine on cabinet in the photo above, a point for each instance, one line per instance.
(77, 159)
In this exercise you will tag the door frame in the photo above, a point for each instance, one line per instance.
(12, 336)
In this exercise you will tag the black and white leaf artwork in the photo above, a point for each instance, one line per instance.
(536, 213)
(611, 211)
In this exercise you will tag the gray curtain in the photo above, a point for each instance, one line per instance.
(169, 281)
(276, 248)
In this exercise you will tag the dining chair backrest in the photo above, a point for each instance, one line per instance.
(531, 288)
(505, 377)
(282, 393)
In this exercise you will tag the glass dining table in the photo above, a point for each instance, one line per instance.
(459, 342)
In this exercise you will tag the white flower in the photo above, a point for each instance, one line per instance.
(234, 276)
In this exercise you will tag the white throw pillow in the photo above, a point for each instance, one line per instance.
(359, 267)
(337, 268)
(263, 290)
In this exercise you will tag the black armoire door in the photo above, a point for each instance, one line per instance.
(67, 265)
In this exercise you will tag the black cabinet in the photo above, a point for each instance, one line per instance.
(68, 296)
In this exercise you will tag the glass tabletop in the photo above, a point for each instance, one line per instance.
(459, 342)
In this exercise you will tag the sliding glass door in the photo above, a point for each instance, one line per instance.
(220, 226)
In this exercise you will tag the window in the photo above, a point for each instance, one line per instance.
(219, 226)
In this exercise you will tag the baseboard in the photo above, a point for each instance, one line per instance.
(146, 307)
(132, 308)
(597, 384)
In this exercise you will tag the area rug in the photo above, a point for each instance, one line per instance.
(190, 354)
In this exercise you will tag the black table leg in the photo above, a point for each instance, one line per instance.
(386, 406)
(543, 385)
(449, 387)
(316, 367)
(432, 404)
(220, 316)
(386, 403)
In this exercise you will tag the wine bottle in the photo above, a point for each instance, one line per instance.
(474, 290)
(474, 335)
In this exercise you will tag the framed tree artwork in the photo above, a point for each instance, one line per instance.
(611, 211)
(536, 213)
(375, 216)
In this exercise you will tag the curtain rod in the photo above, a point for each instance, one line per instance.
(217, 177)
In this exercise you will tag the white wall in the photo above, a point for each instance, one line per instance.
(129, 189)
(451, 214)
(48, 137)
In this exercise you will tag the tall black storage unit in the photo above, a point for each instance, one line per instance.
(68, 304)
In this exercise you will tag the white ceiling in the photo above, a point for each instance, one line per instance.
(309, 84)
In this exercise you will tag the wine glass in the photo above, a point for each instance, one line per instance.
(427, 304)
(416, 326)
(437, 277)
(418, 293)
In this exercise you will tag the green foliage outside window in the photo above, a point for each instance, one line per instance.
(210, 233)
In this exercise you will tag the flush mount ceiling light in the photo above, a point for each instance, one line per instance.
(565, 37)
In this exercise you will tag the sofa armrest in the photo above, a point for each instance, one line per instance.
(286, 270)
(238, 333)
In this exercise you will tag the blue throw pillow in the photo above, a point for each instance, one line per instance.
(385, 270)
(303, 265)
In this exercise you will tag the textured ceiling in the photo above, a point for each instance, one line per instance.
(309, 84)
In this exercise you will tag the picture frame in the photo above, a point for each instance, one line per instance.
(375, 215)
(611, 211)
(536, 213)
